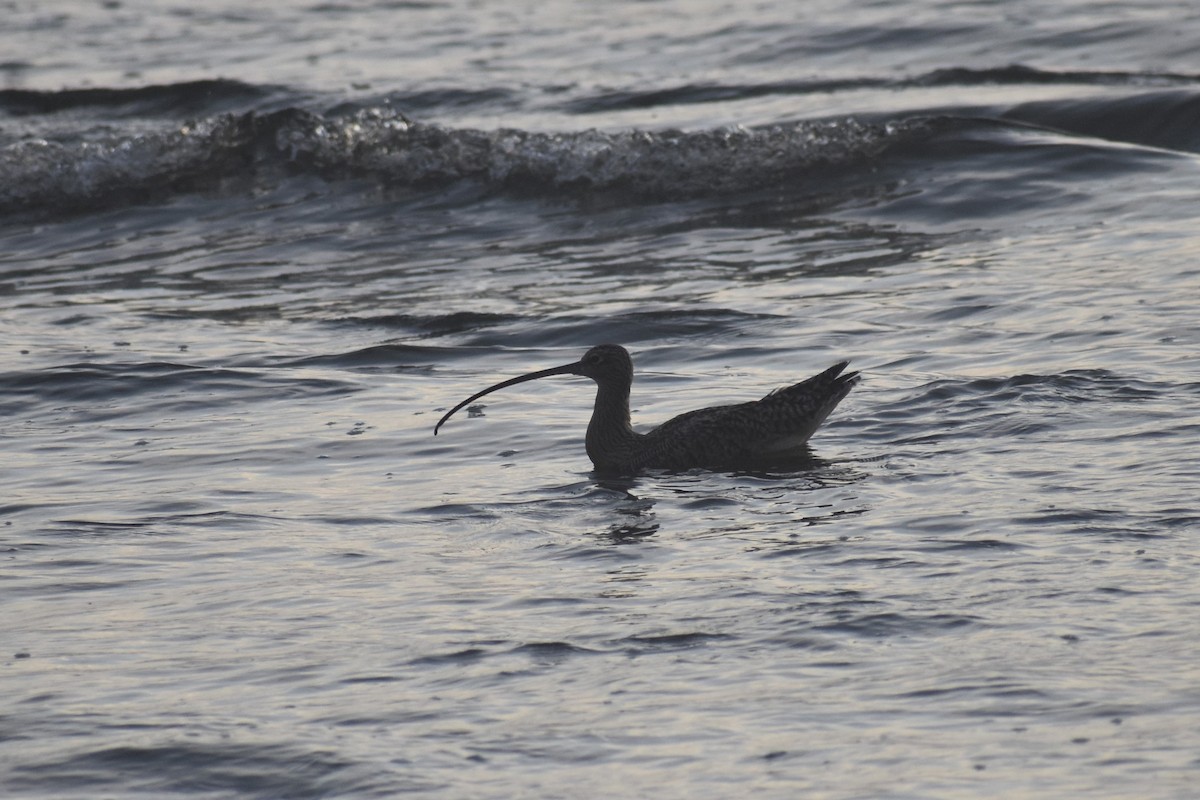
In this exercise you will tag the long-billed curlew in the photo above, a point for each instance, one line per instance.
(773, 428)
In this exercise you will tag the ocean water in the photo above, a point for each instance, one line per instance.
(248, 257)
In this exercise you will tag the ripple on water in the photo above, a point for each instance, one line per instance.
(191, 766)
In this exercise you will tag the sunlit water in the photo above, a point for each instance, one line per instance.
(236, 561)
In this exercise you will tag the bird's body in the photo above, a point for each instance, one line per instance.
(775, 427)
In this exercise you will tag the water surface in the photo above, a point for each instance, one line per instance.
(250, 256)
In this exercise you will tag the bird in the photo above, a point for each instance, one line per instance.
(773, 428)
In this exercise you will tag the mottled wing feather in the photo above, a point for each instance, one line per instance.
(778, 424)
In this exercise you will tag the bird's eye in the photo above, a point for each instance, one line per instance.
(592, 358)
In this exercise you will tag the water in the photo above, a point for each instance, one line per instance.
(248, 255)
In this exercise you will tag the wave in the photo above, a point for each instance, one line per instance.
(175, 769)
(97, 391)
(384, 145)
(129, 156)
(213, 96)
(1165, 119)
(1001, 407)
(190, 97)
(1011, 75)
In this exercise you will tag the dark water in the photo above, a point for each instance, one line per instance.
(248, 255)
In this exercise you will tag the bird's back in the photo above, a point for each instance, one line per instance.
(775, 426)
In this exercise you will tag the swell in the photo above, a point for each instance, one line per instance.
(97, 390)
(1011, 75)
(383, 145)
(189, 97)
(999, 407)
(129, 156)
(213, 96)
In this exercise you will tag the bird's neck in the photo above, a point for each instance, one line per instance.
(610, 436)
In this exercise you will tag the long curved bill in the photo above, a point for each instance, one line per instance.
(565, 369)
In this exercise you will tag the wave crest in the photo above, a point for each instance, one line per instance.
(381, 144)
